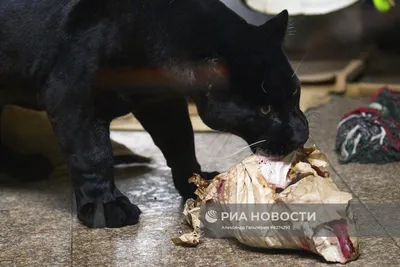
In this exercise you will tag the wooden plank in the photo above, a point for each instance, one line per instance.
(367, 89)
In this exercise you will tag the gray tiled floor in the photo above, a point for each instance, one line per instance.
(38, 226)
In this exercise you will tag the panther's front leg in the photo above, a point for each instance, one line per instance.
(169, 125)
(84, 136)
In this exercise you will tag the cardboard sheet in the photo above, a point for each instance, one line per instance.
(30, 131)
(311, 97)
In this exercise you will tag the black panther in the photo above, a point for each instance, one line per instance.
(53, 53)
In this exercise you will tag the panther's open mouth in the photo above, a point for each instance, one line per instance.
(267, 155)
(275, 168)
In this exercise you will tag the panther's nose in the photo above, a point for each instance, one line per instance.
(294, 145)
(299, 138)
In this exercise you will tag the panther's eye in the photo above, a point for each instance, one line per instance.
(265, 110)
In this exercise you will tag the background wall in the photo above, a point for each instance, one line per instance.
(356, 25)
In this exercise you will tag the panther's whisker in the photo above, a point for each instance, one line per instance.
(298, 65)
(243, 148)
(226, 141)
(246, 158)
(311, 137)
(215, 139)
(313, 114)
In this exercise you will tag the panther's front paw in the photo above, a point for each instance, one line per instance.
(186, 190)
(114, 214)
(209, 175)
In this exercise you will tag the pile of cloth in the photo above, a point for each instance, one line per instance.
(371, 134)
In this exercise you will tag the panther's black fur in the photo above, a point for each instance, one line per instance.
(52, 50)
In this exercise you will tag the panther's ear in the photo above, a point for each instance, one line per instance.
(276, 27)
(81, 14)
